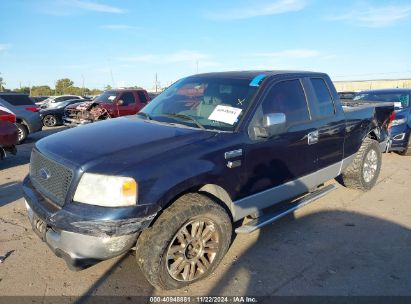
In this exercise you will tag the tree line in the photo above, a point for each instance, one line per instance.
(63, 86)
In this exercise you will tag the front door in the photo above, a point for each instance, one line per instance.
(276, 165)
(128, 105)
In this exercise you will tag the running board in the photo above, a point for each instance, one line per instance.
(288, 208)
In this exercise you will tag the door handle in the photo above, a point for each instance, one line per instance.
(313, 137)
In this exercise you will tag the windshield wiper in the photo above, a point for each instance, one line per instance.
(187, 117)
(145, 114)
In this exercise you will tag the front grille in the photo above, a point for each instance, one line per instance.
(49, 177)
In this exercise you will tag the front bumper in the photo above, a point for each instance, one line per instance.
(79, 250)
(77, 237)
(71, 122)
(400, 136)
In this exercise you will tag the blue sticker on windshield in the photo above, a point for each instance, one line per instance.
(257, 80)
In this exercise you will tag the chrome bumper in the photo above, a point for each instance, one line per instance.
(70, 122)
(79, 250)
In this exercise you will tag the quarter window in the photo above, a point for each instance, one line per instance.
(142, 96)
(323, 105)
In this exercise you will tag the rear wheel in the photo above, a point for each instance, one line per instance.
(49, 121)
(22, 133)
(185, 244)
(363, 172)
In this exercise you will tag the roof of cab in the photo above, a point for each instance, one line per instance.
(251, 74)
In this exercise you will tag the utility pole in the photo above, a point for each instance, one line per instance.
(82, 87)
(111, 72)
(155, 82)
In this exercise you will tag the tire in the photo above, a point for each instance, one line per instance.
(363, 172)
(407, 151)
(22, 133)
(166, 255)
(49, 121)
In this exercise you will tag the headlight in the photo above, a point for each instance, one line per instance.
(397, 122)
(107, 191)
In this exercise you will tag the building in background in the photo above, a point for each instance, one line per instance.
(361, 85)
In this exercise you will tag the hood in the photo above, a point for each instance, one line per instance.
(127, 140)
(81, 106)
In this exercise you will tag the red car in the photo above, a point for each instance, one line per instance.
(8, 132)
(110, 104)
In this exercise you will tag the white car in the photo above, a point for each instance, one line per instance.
(56, 99)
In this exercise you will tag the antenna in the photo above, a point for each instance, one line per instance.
(111, 72)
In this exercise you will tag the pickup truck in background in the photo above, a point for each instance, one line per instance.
(401, 124)
(209, 151)
(110, 104)
(8, 132)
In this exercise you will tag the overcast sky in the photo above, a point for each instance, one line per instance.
(125, 43)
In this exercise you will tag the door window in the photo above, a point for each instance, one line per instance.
(127, 98)
(287, 97)
(323, 105)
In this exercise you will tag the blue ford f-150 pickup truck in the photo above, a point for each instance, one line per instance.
(209, 151)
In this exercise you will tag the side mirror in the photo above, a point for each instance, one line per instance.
(273, 124)
(120, 102)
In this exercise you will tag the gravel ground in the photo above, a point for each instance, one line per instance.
(347, 243)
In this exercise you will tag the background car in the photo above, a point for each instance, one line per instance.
(401, 125)
(8, 132)
(53, 115)
(53, 99)
(38, 99)
(346, 95)
(27, 113)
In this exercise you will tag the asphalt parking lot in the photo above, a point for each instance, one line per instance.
(347, 243)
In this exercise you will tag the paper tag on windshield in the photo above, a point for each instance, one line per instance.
(397, 105)
(111, 97)
(225, 114)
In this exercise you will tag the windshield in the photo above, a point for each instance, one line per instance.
(400, 99)
(210, 103)
(108, 96)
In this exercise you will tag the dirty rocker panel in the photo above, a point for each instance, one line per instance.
(269, 197)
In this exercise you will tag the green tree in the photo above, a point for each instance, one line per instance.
(63, 86)
(108, 87)
(43, 90)
(25, 90)
(95, 92)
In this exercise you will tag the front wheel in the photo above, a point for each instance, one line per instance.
(363, 172)
(186, 243)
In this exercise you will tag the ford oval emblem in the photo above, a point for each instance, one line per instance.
(44, 173)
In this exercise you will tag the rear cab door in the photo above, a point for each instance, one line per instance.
(329, 121)
(142, 100)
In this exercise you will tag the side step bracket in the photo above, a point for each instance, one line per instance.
(288, 208)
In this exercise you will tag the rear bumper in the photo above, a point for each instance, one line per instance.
(385, 145)
(33, 122)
